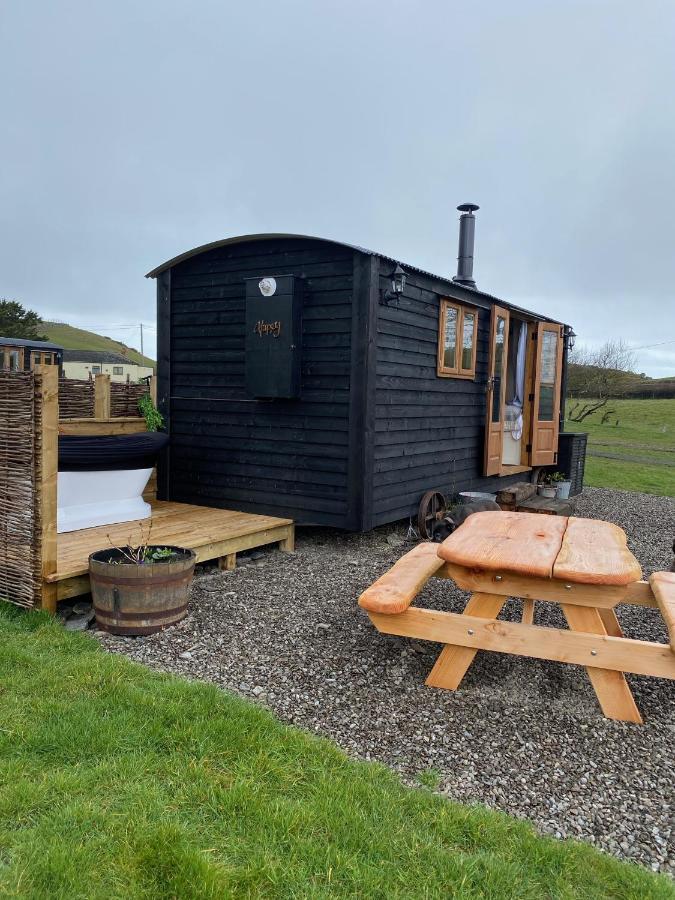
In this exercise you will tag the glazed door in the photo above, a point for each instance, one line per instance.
(496, 393)
(547, 382)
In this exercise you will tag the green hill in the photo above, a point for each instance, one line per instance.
(71, 338)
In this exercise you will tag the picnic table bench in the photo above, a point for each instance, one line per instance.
(583, 565)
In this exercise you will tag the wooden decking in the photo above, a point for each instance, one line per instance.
(212, 533)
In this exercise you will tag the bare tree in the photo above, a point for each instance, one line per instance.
(596, 375)
(615, 357)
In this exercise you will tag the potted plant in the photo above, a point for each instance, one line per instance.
(546, 487)
(140, 589)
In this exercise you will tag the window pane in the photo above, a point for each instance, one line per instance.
(450, 338)
(14, 360)
(500, 335)
(549, 360)
(467, 340)
(96, 370)
(118, 370)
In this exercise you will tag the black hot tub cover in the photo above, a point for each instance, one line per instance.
(110, 453)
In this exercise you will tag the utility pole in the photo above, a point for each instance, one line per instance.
(142, 354)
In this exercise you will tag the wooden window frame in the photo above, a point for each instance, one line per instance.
(457, 371)
(6, 358)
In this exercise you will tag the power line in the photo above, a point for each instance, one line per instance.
(649, 346)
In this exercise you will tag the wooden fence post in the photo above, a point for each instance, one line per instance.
(102, 397)
(49, 398)
(153, 389)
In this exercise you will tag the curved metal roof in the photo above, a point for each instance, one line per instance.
(241, 239)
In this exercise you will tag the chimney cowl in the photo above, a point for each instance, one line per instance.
(467, 227)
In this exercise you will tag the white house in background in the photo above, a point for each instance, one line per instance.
(83, 363)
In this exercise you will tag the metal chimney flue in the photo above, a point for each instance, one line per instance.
(467, 229)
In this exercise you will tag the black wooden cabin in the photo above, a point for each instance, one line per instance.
(313, 379)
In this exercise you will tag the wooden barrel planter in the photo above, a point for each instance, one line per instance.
(135, 599)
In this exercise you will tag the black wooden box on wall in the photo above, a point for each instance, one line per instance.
(273, 336)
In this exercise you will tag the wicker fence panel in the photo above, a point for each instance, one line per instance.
(76, 399)
(124, 397)
(20, 484)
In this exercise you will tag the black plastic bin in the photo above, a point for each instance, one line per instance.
(572, 458)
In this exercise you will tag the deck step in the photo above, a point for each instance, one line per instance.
(212, 533)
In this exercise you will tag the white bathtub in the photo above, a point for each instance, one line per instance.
(85, 499)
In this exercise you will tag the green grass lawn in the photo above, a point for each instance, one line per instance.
(627, 476)
(648, 422)
(646, 430)
(116, 782)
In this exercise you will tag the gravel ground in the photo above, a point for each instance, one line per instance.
(520, 735)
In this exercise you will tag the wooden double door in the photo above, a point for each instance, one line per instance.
(541, 393)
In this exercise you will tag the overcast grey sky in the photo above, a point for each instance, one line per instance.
(132, 131)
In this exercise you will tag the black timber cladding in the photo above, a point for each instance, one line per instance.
(284, 457)
(429, 431)
(373, 426)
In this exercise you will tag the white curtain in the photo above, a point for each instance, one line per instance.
(519, 380)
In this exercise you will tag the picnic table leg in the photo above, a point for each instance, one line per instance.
(611, 623)
(451, 665)
(611, 687)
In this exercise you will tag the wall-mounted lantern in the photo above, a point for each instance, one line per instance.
(570, 337)
(398, 277)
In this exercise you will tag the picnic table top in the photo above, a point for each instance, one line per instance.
(584, 551)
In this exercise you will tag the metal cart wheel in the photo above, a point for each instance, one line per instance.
(431, 510)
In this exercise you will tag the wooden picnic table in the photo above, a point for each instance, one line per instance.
(583, 565)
